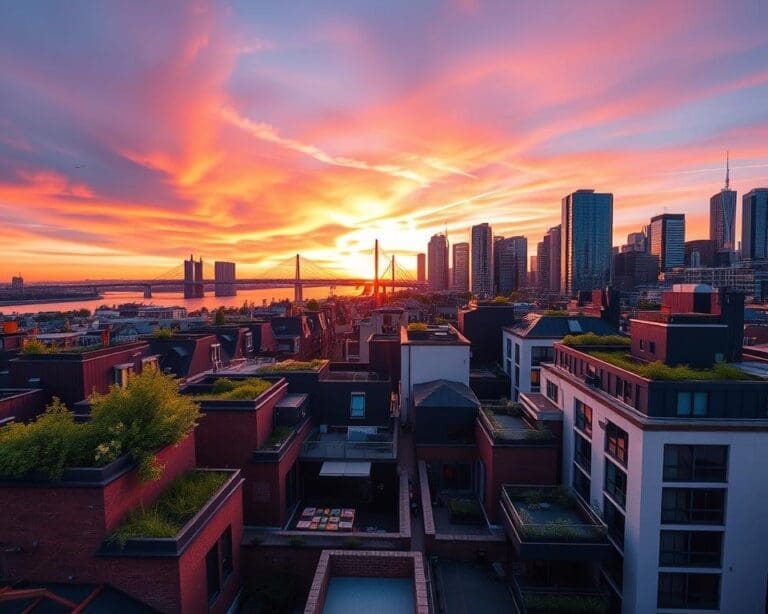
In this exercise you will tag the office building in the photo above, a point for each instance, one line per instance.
(225, 280)
(700, 253)
(668, 240)
(636, 242)
(193, 278)
(421, 267)
(632, 269)
(722, 216)
(482, 260)
(586, 244)
(754, 225)
(533, 270)
(512, 263)
(461, 267)
(437, 263)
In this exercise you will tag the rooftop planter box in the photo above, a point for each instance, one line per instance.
(236, 394)
(144, 546)
(280, 441)
(288, 366)
(80, 353)
(549, 523)
(542, 600)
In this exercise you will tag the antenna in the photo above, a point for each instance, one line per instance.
(727, 171)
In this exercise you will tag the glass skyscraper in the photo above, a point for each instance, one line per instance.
(754, 225)
(722, 219)
(437, 263)
(668, 240)
(482, 260)
(586, 245)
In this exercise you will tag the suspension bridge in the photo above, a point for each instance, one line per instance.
(297, 271)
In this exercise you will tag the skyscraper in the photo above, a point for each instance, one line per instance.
(555, 250)
(668, 240)
(461, 267)
(421, 267)
(512, 263)
(542, 264)
(722, 215)
(482, 260)
(754, 225)
(437, 263)
(586, 246)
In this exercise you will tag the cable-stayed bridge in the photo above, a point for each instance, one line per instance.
(195, 277)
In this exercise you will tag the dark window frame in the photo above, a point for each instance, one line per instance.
(582, 417)
(704, 506)
(553, 392)
(615, 483)
(617, 443)
(579, 452)
(689, 463)
(679, 548)
(684, 595)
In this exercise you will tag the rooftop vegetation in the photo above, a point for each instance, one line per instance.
(137, 420)
(176, 506)
(661, 371)
(33, 346)
(163, 333)
(555, 312)
(417, 327)
(500, 300)
(500, 432)
(293, 365)
(571, 603)
(594, 339)
(278, 437)
(225, 388)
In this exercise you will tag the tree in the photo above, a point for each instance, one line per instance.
(219, 318)
(312, 305)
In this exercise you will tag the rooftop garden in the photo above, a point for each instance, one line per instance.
(33, 346)
(417, 327)
(228, 389)
(507, 424)
(163, 333)
(593, 339)
(661, 371)
(147, 415)
(550, 514)
(279, 436)
(186, 496)
(293, 365)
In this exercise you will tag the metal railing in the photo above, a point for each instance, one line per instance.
(316, 446)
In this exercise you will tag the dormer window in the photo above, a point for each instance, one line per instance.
(123, 373)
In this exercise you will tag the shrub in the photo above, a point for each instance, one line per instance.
(163, 333)
(278, 436)
(661, 371)
(149, 414)
(593, 339)
(464, 509)
(417, 327)
(293, 365)
(33, 346)
(224, 388)
(179, 503)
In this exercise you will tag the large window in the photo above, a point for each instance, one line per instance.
(552, 391)
(616, 483)
(692, 404)
(581, 483)
(535, 380)
(357, 405)
(615, 521)
(687, 463)
(213, 578)
(693, 505)
(540, 354)
(690, 548)
(616, 442)
(583, 417)
(582, 452)
(695, 591)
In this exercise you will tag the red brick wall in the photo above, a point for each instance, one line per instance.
(533, 464)
(192, 571)
(446, 453)
(25, 406)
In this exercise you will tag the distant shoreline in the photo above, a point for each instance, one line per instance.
(69, 298)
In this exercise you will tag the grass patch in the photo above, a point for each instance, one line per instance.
(293, 365)
(33, 347)
(225, 388)
(181, 501)
(417, 327)
(660, 371)
(593, 339)
(279, 435)
(464, 510)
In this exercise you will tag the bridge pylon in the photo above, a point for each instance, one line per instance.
(298, 290)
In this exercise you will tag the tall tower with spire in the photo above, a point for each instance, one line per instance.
(722, 214)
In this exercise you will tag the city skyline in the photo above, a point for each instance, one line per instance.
(248, 134)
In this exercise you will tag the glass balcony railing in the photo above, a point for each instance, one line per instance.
(336, 445)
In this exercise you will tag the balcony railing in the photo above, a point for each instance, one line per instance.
(381, 446)
(541, 599)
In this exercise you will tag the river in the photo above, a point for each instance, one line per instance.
(169, 299)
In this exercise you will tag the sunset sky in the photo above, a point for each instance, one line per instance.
(133, 133)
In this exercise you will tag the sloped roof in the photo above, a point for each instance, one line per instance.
(557, 327)
(444, 393)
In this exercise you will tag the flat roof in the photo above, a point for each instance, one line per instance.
(373, 595)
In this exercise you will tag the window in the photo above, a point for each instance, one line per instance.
(212, 573)
(686, 463)
(357, 405)
(508, 352)
(699, 591)
(456, 476)
(690, 548)
(652, 347)
(226, 553)
(509, 367)
(583, 417)
(582, 452)
(123, 373)
(693, 505)
(535, 379)
(517, 353)
(552, 392)
(540, 354)
(616, 442)
(616, 483)
(642, 344)
(581, 483)
(692, 403)
(614, 519)
(517, 376)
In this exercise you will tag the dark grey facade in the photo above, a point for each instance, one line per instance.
(437, 263)
(722, 219)
(512, 263)
(482, 260)
(754, 225)
(586, 244)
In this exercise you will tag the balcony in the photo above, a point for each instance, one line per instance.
(549, 523)
(351, 444)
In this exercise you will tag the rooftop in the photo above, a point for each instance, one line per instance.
(548, 326)
(432, 334)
